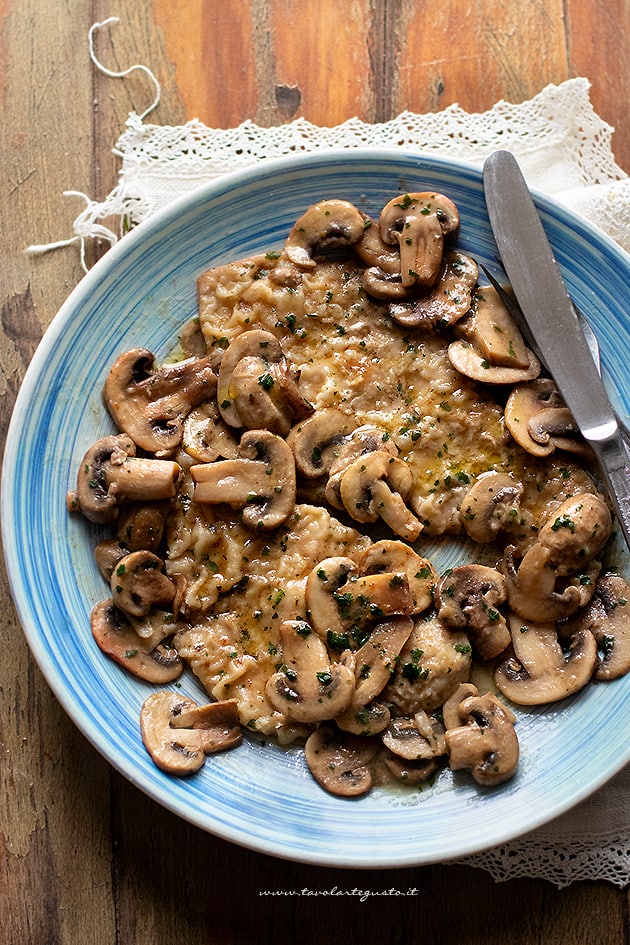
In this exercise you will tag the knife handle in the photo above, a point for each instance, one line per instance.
(615, 466)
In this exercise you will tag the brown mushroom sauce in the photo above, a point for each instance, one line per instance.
(342, 431)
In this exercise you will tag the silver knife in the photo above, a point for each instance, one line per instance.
(542, 295)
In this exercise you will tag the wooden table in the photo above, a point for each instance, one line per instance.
(85, 858)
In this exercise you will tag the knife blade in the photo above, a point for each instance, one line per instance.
(542, 295)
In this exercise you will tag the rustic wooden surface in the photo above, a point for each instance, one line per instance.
(84, 857)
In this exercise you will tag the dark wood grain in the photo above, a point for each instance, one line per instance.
(85, 858)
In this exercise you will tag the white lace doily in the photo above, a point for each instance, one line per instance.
(564, 149)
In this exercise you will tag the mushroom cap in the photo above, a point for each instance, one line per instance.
(576, 532)
(417, 738)
(358, 442)
(607, 617)
(468, 597)
(178, 734)
(150, 404)
(376, 485)
(374, 664)
(397, 556)
(418, 222)
(315, 441)
(491, 504)
(206, 436)
(470, 362)
(532, 590)
(261, 481)
(486, 743)
(255, 387)
(308, 687)
(447, 301)
(117, 638)
(540, 671)
(340, 762)
(325, 227)
(138, 584)
(538, 420)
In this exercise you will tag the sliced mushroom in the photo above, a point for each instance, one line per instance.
(374, 665)
(140, 526)
(539, 421)
(448, 300)
(315, 441)
(396, 556)
(150, 404)
(308, 687)
(540, 671)
(107, 554)
(323, 587)
(339, 601)
(386, 286)
(417, 738)
(418, 223)
(206, 436)
(491, 348)
(608, 619)
(576, 532)
(116, 637)
(138, 583)
(327, 226)
(256, 388)
(178, 734)
(374, 252)
(367, 438)
(450, 709)
(410, 772)
(485, 743)
(492, 504)
(110, 473)
(261, 481)
(532, 589)
(468, 597)
(376, 486)
(340, 762)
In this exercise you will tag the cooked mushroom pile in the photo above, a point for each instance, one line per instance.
(268, 492)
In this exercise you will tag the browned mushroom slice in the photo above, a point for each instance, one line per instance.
(374, 664)
(260, 482)
(138, 583)
(608, 619)
(326, 227)
(340, 762)
(533, 590)
(374, 252)
(116, 637)
(468, 597)
(410, 772)
(150, 404)
(315, 441)
(395, 556)
(539, 421)
(418, 223)
(140, 526)
(308, 687)
(576, 532)
(447, 302)
(107, 554)
(417, 738)
(540, 670)
(256, 388)
(485, 743)
(110, 473)
(491, 348)
(492, 504)
(376, 486)
(206, 436)
(178, 734)
(367, 438)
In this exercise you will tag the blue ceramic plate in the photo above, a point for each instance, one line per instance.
(139, 294)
